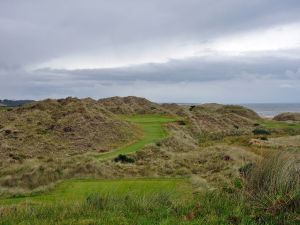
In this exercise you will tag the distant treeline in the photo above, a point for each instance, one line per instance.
(13, 103)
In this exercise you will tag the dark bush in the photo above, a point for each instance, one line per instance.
(236, 126)
(246, 169)
(16, 157)
(68, 129)
(123, 159)
(192, 107)
(264, 138)
(181, 122)
(51, 127)
(226, 158)
(261, 131)
(8, 131)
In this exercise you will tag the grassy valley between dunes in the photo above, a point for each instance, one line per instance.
(152, 129)
(131, 161)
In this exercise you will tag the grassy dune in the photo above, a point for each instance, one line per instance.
(152, 127)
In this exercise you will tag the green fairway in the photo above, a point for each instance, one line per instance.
(152, 127)
(287, 128)
(138, 201)
(280, 124)
(77, 190)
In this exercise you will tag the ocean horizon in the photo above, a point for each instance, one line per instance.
(265, 109)
(273, 109)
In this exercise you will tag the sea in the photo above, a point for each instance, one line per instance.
(273, 109)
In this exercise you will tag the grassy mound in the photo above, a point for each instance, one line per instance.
(132, 105)
(214, 121)
(288, 116)
(43, 142)
(60, 127)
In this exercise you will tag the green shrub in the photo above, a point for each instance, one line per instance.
(123, 159)
(261, 131)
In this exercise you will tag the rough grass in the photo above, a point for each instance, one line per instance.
(274, 184)
(285, 143)
(153, 130)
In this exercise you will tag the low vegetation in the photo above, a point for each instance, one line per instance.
(132, 161)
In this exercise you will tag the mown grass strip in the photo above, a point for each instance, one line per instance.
(153, 130)
(71, 191)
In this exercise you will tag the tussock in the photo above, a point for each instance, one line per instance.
(273, 185)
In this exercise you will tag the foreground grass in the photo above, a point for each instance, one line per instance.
(165, 201)
(146, 201)
(150, 208)
(78, 190)
(152, 127)
(140, 201)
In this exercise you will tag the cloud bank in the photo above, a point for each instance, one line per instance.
(228, 51)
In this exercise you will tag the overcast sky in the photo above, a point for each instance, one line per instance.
(227, 51)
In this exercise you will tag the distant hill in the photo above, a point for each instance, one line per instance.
(216, 119)
(288, 116)
(14, 103)
(205, 118)
(132, 105)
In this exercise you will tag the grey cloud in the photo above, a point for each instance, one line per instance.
(35, 31)
(198, 69)
(207, 78)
